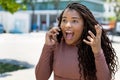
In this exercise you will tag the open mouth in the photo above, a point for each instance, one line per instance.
(69, 35)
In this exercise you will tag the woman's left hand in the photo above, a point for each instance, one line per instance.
(95, 41)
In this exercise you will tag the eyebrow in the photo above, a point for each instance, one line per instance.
(72, 17)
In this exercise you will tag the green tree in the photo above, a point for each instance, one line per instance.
(10, 5)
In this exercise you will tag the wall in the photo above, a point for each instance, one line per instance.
(19, 21)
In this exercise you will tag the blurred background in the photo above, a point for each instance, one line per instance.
(23, 24)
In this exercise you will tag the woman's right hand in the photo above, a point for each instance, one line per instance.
(51, 36)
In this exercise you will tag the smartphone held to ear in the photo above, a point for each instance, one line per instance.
(59, 36)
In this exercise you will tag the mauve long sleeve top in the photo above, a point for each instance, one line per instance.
(63, 60)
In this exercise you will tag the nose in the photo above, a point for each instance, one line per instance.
(68, 24)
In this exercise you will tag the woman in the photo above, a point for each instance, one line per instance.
(83, 52)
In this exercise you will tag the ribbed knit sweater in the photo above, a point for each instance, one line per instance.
(63, 60)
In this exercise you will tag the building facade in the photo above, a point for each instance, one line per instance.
(44, 14)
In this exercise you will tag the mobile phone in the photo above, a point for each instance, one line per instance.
(59, 36)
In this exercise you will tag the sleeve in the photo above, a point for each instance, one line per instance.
(44, 69)
(103, 72)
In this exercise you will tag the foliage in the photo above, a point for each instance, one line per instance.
(119, 18)
(11, 5)
(112, 18)
(7, 67)
(29, 2)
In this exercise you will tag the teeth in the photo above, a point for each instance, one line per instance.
(69, 35)
(68, 31)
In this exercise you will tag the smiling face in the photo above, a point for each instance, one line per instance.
(72, 26)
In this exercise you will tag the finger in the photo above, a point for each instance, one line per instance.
(54, 36)
(55, 30)
(91, 34)
(89, 38)
(87, 42)
(98, 30)
(48, 35)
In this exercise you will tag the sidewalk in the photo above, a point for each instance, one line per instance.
(22, 47)
(27, 47)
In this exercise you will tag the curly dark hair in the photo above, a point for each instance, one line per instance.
(85, 54)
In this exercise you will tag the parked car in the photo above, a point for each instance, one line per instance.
(1, 28)
(118, 27)
(15, 30)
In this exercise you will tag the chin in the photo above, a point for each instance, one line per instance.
(70, 43)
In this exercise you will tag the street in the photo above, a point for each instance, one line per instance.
(27, 47)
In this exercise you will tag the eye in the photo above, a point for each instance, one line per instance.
(75, 21)
(64, 20)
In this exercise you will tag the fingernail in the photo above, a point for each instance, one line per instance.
(89, 31)
(83, 39)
